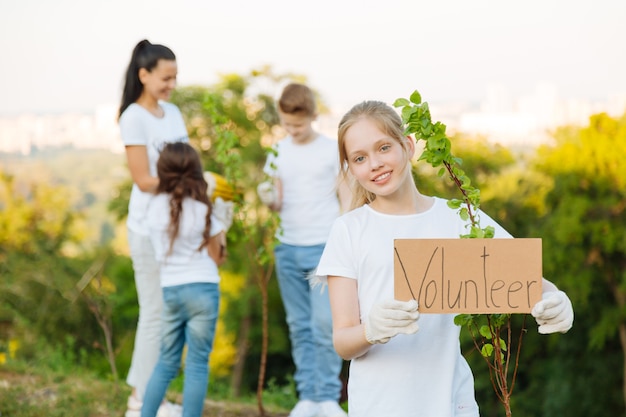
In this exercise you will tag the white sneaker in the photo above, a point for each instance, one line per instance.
(331, 409)
(168, 409)
(133, 407)
(305, 408)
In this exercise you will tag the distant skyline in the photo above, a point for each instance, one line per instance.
(70, 55)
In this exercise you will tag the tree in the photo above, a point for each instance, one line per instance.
(38, 290)
(584, 226)
(492, 334)
(233, 123)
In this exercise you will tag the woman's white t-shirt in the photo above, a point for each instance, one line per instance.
(419, 375)
(139, 127)
(185, 264)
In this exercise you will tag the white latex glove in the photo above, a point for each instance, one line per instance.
(211, 182)
(389, 318)
(223, 210)
(267, 193)
(554, 313)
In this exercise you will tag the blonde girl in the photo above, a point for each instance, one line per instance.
(399, 366)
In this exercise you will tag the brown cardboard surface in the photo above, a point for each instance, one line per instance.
(469, 275)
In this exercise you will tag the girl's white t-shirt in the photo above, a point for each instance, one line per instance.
(140, 127)
(419, 375)
(185, 264)
(308, 174)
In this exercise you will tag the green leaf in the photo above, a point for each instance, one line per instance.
(487, 350)
(474, 194)
(416, 97)
(502, 345)
(401, 102)
(499, 320)
(485, 331)
(454, 203)
(463, 319)
(407, 113)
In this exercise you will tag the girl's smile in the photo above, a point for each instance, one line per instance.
(381, 178)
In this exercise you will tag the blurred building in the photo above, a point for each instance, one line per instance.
(501, 117)
(24, 133)
(530, 119)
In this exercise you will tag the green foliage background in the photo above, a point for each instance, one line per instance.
(571, 193)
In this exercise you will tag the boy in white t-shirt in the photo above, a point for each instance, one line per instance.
(304, 191)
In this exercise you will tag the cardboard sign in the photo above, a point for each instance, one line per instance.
(469, 275)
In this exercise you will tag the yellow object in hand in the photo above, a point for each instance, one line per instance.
(218, 186)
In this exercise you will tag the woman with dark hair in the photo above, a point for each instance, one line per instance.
(189, 243)
(147, 121)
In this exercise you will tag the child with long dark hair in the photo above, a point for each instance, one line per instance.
(189, 243)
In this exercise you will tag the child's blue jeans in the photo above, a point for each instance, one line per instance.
(189, 316)
(310, 323)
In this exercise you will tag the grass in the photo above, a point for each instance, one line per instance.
(40, 380)
(32, 392)
(29, 390)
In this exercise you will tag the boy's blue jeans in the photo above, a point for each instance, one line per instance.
(310, 323)
(189, 316)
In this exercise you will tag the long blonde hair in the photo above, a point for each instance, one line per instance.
(387, 120)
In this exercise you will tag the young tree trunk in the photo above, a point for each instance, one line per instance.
(263, 363)
(620, 299)
(242, 352)
(622, 338)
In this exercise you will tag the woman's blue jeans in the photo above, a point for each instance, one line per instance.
(189, 316)
(310, 323)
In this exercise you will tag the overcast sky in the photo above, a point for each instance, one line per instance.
(70, 55)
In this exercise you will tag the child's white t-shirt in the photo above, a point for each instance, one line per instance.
(140, 127)
(419, 375)
(186, 264)
(308, 174)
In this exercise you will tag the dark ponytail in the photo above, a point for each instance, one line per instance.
(145, 55)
